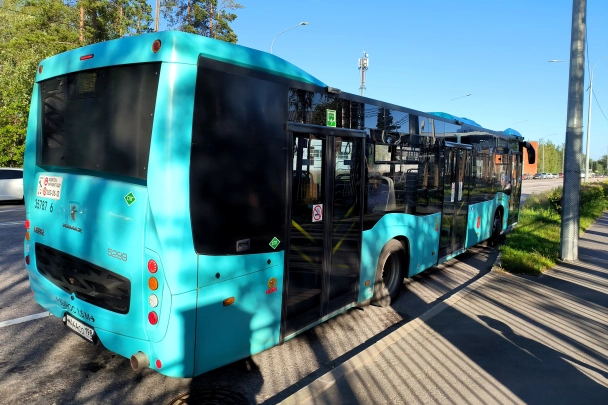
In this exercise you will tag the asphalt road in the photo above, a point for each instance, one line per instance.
(42, 362)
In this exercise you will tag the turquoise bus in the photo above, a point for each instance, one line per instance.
(191, 202)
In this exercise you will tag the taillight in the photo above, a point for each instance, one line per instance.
(156, 46)
(27, 260)
(153, 300)
(85, 57)
(158, 364)
(27, 224)
(27, 236)
(153, 283)
(153, 318)
(152, 266)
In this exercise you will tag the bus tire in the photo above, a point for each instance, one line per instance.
(496, 229)
(389, 274)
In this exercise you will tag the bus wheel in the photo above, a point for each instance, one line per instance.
(496, 228)
(389, 274)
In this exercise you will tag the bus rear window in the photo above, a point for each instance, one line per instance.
(100, 120)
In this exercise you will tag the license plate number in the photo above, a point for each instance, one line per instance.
(80, 328)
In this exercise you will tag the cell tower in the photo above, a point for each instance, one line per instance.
(363, 66)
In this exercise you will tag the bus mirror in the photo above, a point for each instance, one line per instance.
(531, 151)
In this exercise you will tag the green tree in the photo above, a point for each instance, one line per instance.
(33, 30)
(102, 20)
(209, 18)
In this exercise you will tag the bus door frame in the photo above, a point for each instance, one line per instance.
(455, 244)
(329, 164)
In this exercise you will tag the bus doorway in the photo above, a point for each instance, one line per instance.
(456, 183)
(324, 220)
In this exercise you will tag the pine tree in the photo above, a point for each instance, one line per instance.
(209, 18)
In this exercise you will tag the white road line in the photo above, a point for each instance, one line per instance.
(24, 319)
(11, 223)
(21, 210)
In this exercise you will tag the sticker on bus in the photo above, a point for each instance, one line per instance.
(49, 187)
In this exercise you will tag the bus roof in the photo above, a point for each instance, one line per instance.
(177, 47)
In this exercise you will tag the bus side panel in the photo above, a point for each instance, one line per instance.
(422, 233)
(479, 225)
(481, 216)
(226, 333)
(168, 231)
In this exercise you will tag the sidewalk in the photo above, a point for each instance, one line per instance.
(503, 339)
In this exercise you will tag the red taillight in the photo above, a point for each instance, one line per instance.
(158, 364)
(85, 57)
(156, 46)
(27, 224)
(27, 260)
(153, 318)
(40, 69)
(152, 266)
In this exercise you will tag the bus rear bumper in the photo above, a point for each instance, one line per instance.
(172, 356)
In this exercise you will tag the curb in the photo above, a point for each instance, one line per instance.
(366, 356)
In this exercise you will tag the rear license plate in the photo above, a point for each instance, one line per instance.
(81, 329)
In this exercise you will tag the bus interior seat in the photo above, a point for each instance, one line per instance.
(381, 193)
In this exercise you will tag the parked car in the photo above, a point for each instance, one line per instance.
(527, 176)
(11, 184)
(538, 176)
(561, 175)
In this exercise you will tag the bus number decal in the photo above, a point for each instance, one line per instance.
(117, 255)
(43, 205)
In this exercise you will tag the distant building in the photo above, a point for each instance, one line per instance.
(531, 168)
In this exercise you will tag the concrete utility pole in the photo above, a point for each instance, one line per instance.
(574, 135)
(157, 15)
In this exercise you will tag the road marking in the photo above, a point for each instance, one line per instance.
(11, 223)
(24, 319)
(21, 210)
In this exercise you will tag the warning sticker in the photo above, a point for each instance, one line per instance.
(49, 187)
(317, 212)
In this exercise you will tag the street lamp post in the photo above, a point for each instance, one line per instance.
(590, 103)
(295, 26)
(446, 104)
(589, 117)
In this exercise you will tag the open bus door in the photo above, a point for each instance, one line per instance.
(456, 184)
(322, 256)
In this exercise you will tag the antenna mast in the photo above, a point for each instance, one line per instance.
(363, 66)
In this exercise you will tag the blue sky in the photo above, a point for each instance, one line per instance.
(425, 53)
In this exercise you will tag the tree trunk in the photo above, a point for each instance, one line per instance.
(81, 25)
(211, 33)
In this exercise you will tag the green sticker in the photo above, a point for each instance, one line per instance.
(331, 118)
(274, 242)
(130, 198)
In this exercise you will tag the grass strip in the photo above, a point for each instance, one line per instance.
(532, 246)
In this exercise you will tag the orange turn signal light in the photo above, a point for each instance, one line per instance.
(153, 283)
(228, 301)
(27, 236)
(367, 282)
